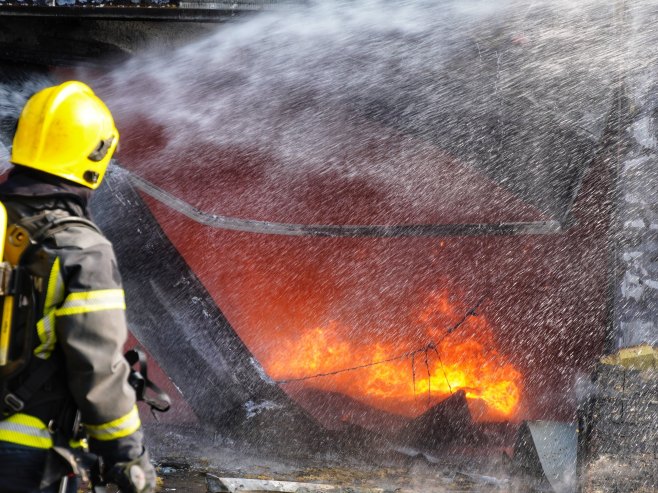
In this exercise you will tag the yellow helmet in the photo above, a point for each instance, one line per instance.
(66, 131)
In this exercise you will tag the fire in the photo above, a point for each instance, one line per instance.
(409, 373)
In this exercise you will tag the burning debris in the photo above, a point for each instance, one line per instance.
(458, 359)
(358, 347)
(447, 422)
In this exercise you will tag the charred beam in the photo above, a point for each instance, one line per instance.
(344, 231)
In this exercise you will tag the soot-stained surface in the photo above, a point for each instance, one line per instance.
(350, 116)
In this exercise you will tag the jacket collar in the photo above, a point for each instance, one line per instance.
(37, 187)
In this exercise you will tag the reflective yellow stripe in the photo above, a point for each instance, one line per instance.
(25, 430)
(55, 292)
(47, 336)
(46, 326)
(119, 428)
(92, 301)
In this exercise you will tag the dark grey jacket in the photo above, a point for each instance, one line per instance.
(80, 320)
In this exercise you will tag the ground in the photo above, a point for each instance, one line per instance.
(413, 479)
(197, 463)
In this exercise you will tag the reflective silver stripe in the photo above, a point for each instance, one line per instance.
(25, 430)
(46, 331)
(92, 301)
(55, 291)
(119, 428)
(46, 326)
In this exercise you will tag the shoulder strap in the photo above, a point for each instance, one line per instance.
(49, 228)
(13, 402)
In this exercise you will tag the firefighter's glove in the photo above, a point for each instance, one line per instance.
(136, 476)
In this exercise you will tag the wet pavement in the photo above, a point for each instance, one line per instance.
(417, 477)
(192, 460)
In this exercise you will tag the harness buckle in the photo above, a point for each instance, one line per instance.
(14, 403)
(6, 271)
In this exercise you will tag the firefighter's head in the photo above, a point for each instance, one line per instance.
(67, 131)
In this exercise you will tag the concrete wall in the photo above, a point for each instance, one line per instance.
(636, 236)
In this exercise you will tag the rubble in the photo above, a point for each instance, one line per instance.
(242, 485)
(381, 480)
(619, 432)
(449, 421)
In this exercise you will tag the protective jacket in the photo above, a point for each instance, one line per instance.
(80, 324)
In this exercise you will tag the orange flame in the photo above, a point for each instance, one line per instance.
(407, 375)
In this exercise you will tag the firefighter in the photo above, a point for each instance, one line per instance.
(64, 141)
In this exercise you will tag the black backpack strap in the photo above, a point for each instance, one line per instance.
(139, 381)
(15, 401)
(31, 392)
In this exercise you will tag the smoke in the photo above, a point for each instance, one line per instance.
(385, 112)
(14, 93)
(15, 88)
(407, 101)
(4, 158)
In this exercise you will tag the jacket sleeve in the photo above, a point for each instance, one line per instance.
(91, 331)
